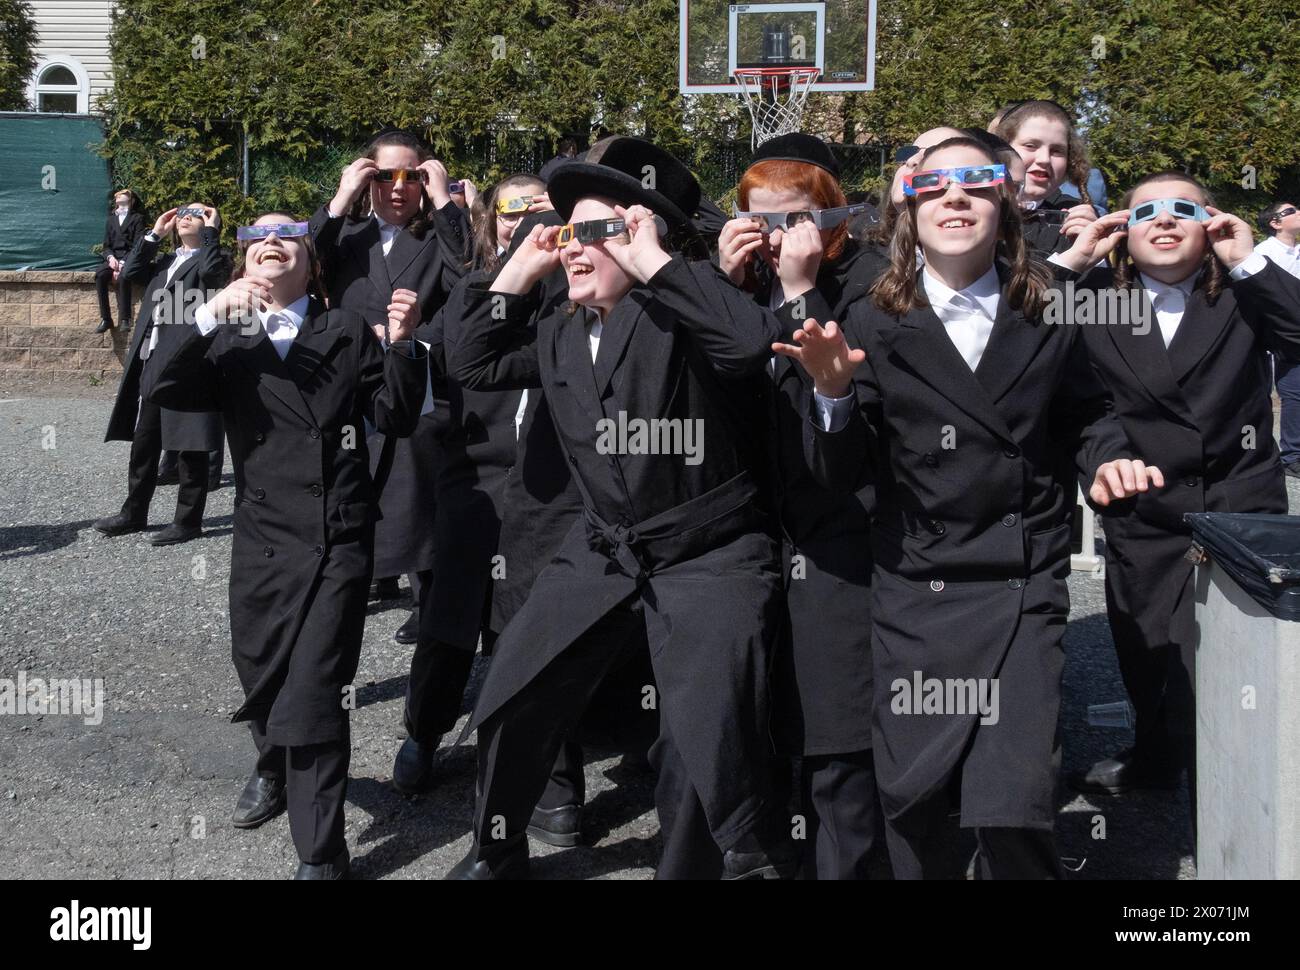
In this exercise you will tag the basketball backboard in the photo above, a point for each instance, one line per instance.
(838, 37)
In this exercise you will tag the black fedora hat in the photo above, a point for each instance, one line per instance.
(631, 171)
(798, 147)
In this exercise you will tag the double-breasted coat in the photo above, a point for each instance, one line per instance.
(694, 541)
(971, 546)
(1201, 411)
(163, 308)
(359, 277)
(304, 502)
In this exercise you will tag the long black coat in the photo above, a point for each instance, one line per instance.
(304, 502)
(695, 542)
(360, 278)
(120, 239)
(971, 546)
(207, 270)
(475, 452)
(1201, 411)
(535, 502)
(822, 680)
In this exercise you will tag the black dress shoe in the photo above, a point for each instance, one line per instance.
(508, 862)
(214, 483)
(175, 534)
(1292, 469)
(409, 631)
(340, 867)
(413, 768)
(1127, 771)
(104, 326)
(778, 862)
(262, 799)
(168, 474)
(385, 589)
(557, 826)
(119, 525)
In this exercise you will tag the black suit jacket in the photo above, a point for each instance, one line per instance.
(304, 502)
(205, 272)
(360, 278)
(119, 240)
(1201, 409)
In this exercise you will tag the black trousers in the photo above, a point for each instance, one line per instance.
(142, 473)
(434, 691)
(519, 745)
(916, 848)
(216, 461)
(839, 806)
(689, 851)
(104, 282)
(316, 787)
(1159, 675)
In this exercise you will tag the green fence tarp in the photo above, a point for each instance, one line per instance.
(54, 192)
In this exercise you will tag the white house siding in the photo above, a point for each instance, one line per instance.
(76, 30)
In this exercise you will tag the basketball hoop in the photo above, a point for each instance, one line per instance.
(775, 97)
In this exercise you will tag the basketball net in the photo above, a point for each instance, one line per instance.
(776, 97)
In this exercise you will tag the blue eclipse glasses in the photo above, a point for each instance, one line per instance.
(1178, 208)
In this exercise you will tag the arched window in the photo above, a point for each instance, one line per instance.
(61, 85)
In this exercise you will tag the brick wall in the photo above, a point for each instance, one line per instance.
(47, 327)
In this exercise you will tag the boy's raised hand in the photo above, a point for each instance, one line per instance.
(825, 355)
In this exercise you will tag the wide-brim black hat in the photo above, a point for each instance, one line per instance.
(798, 147)
(631, 171)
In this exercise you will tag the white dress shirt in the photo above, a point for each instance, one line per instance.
(121, 215)
(967, 315)
(387, 233)
(593, 335)
(1286, 257)
(1169, 302)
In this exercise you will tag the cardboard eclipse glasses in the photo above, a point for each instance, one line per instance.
(514, 207)
(595, 230)
(967, 176)
(401, 175)
(1178, 208)
(284, 230)
(821, 218)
